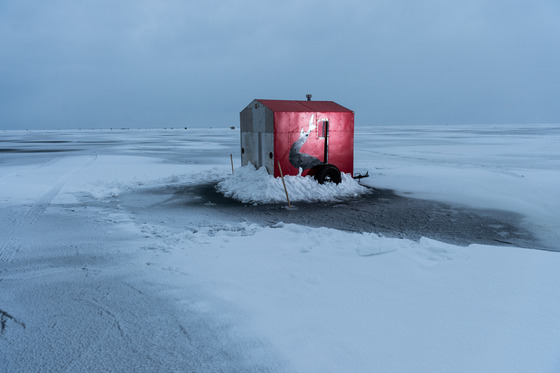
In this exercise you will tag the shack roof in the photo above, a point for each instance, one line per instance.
(303, 106)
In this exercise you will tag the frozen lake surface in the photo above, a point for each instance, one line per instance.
(120, 251)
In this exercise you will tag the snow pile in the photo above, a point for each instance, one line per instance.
(250, 185)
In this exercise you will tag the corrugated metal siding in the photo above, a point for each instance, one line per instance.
(257, 138)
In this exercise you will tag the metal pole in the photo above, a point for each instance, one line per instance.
(326, 128)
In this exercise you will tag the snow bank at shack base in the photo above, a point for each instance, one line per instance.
(257, 186)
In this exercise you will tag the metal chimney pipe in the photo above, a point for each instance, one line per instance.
(308, 96)
(326, 134)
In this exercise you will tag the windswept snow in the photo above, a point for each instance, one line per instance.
(110, 262)
(333, 301)
(507, 167)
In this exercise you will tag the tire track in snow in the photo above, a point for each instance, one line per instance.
(12, 244)
(4, 178)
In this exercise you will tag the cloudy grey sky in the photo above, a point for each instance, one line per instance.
(171, 63)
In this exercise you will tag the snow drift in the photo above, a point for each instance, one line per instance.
(250, 185)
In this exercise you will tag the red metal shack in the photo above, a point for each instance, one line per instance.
(299, 134)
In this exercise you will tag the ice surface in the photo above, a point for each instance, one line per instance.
(507, 167)
(105, 267)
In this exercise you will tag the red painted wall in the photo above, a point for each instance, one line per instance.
(287, 130)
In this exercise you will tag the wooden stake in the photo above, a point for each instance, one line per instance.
(284, 183)
(231, 157)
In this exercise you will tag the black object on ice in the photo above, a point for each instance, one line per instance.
(326, 173)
